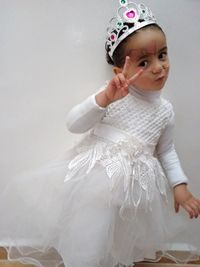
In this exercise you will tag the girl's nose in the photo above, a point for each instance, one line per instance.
(157, 67)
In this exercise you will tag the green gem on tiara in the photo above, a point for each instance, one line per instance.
(119, 24)
(123, 2)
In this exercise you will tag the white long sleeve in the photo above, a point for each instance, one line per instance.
(168, 157)
(85, 115)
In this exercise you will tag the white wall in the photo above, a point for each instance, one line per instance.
(52, 56)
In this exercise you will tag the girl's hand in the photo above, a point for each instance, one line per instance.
(183, 197)
(118, 86)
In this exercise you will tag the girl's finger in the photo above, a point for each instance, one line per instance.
(126, 65)
(194, 208)
(176, 206)
(124, 91)
(117, 82)
(194, 212)
(196, 203)
(189, 210)
(123, 80)
(135, 76)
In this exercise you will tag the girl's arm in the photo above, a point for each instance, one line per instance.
(85, 115)
(170, 162)
(168, 157)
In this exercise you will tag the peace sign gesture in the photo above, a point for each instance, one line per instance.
(118, 87)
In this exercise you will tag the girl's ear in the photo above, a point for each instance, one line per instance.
(117, 70)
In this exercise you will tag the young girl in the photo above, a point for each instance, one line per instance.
(110, 200)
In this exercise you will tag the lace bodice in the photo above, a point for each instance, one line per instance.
(140, 118)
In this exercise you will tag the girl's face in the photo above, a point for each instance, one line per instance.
(148, 50)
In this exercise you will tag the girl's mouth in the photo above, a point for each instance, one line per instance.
(160, 79)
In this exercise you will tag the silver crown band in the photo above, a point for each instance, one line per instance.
(130, 18)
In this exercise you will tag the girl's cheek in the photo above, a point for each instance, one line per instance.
(144, 70)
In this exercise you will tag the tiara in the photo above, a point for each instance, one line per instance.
(130, 17)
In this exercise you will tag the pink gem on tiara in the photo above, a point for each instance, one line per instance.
(131, 14)
(113, 37)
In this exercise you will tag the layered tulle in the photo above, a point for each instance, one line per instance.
(88, 219)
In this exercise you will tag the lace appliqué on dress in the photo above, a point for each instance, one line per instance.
(130, 161)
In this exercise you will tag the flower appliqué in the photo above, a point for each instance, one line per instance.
(128, 160)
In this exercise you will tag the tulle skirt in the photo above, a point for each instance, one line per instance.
(82, 220)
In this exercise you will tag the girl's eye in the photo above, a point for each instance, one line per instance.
(143, 63)
(162, 55)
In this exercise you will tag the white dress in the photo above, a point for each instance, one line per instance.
(109, 199)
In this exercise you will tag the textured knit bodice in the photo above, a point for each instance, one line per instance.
(142, 118)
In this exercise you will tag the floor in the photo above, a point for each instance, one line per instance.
(162, 263)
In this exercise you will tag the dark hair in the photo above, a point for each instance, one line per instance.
(118, 57)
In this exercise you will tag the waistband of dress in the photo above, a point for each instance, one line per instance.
(117, 135)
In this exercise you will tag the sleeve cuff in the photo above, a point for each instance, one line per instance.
(93, 101)
(177, 177)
